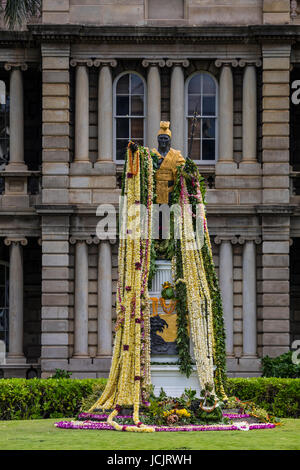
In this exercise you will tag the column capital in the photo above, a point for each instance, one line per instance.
(74, 239)
(15, 240)
(97, 240)
(105, 62)
(84, 62)
(225, 238)
(247, 62)
(244, 239)
(16, 65)
(182, 62)
(153, 61)
(226, 62)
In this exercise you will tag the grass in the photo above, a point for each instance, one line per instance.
(43, 435)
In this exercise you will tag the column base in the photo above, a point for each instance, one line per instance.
(18, 359)
(15, 166)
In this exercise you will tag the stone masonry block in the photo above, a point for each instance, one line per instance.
(55, 300)
(276, 273)
(271, 260)
(274, 351)
(276, 156)
(275, 116)
(273, 196)
(55, 286)
(275, 313)
(56, 142)
(55, 63)
(277, 18)
(276, 129)
(276, 326)
(276, 300)
(61, 115)
(56, 89)
(54, 339)
(54, 76)
(55, 196)
(56, 102)
(276, 339)
(280, 287)
(51, 352)
(56, 155)
(276, 89)
(275, 247)
(276, 143)
(276, 102)
(56, 5)
(55, 247)
(51, 182)
(55, 260)
(55, 312)
(276, 169)
(276, 182)
(56, 129)
(276, 5)
(278, 76)
(50, 326)
(276, 63)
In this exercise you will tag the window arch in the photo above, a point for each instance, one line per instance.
(129, 112)
(201, 97)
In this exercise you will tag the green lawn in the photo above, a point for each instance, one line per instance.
(42, 435)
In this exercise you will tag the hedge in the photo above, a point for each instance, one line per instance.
(280, 397)
(43, 398)
(57, 398)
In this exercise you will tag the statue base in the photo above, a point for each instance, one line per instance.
(169, 378)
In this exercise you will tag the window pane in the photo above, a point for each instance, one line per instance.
(122, 105)
(137, 128)
(208, 128)
(209, 106)
(196, 128)
(137, 86)
(195, 84)
(194, 104)
(137, 105)
(195, 155)
(209, 86)
(121, 149)
(208, 149)
(122, 128)
(123, 85)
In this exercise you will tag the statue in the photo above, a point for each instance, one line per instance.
(168, 161)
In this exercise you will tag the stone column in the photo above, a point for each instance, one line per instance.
(177, 108)
(16, 304)
(249, 297)
(105, 111)
(81, 289)
(226, 110)
(153, 99)
(104, 299)
(82, 112)
(249, 114)
(16, 117)
(226, 286)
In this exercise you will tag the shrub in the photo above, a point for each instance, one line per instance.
(280, 397)
(88, 401)
(280, 366)
(40, 398)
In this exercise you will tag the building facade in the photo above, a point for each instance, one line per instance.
(75, 85)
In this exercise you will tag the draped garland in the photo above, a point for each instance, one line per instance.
(200, 302)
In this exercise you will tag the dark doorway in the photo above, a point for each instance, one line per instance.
(295, 290)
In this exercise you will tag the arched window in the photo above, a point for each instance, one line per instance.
(201, 97)
(129, 112)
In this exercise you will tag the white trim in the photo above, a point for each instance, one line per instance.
(114, 110)
(216, 117)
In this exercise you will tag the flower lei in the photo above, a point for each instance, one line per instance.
(129, 375)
